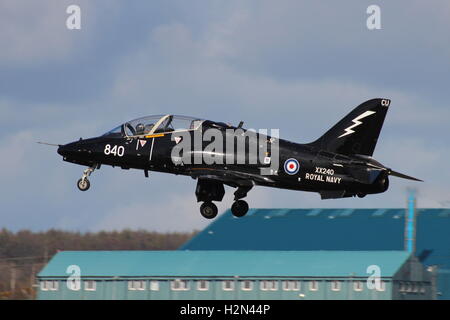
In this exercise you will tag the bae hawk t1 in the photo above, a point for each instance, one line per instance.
(338, 164)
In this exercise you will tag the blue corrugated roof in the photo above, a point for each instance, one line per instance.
(304, 229)
(224, 263)
(327, 229)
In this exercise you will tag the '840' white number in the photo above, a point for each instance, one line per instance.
(116, 150)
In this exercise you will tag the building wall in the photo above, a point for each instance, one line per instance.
(413, 282)
(402, 288)
(119, 289)
(299, 275)
(443, 281)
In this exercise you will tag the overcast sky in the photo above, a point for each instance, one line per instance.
(294, 65)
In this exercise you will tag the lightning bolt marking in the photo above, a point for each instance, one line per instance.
(356, 123)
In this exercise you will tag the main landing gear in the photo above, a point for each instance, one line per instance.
(240, 207)
(210, 190)
(208, 210)
(83, 184)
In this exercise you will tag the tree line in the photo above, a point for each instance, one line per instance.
(24, 253)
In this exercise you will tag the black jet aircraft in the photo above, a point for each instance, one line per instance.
(339, 164)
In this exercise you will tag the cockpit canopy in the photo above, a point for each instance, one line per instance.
(155, 124)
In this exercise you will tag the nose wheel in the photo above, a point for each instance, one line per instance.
(208, 210)
(83, 184)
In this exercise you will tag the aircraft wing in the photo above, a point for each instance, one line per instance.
(231, 178)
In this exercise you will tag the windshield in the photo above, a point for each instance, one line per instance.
(155, 124)
(117, 132)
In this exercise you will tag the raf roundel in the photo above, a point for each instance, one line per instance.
(291, 166)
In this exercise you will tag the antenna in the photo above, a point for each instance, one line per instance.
(49, 144)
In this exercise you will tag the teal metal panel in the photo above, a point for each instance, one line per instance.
(312, 212)
(163, 292)
(46, 295)
(318, 294)
(303, 229)
(98, 294)
(138, 294)
(443, 280)
(109, 289)
(271, 294)
(184, 294)
(224, 294)
(208, 294)
(216, 267)
(311, 229)
(245, 294)
(223, 263)
(291, 295)
(118, 289)
(203, 294)
(68, 294)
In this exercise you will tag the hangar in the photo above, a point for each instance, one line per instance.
(234, 275)
(337, 229)
(415, 242)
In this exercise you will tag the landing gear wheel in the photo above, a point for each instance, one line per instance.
(83, 184)
(361, 195)
(239, 208)
(208, 210)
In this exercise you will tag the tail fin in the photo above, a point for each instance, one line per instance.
(356, 133)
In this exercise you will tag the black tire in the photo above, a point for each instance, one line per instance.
(208, 210)
(83, 185)
(239, 208)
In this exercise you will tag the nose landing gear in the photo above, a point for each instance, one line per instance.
(83, 184)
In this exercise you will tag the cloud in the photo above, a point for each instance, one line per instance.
(295, 66)
(176, 213)
(35, 32)
(13, 155)
(174, 210)
(305, 40)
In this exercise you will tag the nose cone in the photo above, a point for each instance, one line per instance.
(69, 149)
(80, 152)
(62, 150)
